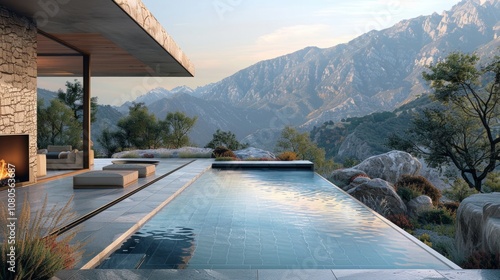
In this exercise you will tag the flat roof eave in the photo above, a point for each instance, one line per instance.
(122, 37)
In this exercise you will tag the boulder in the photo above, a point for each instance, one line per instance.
(252, 152)
(419, 204)
(390, 166)
(343, 177)
(478, 224)
(379, 195)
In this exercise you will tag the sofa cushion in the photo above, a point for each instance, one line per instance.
(56, 148)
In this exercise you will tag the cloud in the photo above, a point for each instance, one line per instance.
(292, 38)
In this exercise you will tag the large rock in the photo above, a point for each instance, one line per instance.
(343, 177)
(390, 166)
(377, 194)
(478, 224)
(252, 152)
(419, 204)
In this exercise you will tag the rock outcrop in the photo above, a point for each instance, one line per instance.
(478, 224)
(343, 177)
(377, 194)
(419, 204)
(390, 166)
(252, 152)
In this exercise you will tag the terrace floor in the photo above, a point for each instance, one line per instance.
(109, 216)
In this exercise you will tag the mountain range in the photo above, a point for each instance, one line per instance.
(377, 71)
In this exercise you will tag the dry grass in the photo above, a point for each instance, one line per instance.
(38, 255)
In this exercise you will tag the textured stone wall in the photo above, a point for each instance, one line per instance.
(18, 73)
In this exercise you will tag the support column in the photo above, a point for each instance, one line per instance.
(86, 111)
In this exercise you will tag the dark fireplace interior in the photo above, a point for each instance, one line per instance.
(14, 150)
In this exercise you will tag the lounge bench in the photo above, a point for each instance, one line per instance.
(105, 179)
(143, 169)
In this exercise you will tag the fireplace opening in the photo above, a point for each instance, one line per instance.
(14, 155)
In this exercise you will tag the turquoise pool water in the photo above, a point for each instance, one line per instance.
(269, 219)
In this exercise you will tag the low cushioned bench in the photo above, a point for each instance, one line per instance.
(143, 169)
(105, 179)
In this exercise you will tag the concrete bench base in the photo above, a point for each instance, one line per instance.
(143, 169)
(105, 179)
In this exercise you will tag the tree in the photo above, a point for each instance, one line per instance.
(139, 129)
(56, 126)
(110, 141)
(462, 127)
(301, 144)
(176, 126)
(73, 97)
(225, 139)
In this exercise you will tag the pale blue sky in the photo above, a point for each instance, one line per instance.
(222, 37)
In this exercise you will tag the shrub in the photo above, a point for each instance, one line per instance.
(435, 216)
(38, 254)
(131, 155)
(459, 190)
(401, 220)
(492, 183)
(148, 155)
(407, 193)
(482, 260)
(222, 152)
(451, 207)
(421, 185)
(426, 239)
(287, 156)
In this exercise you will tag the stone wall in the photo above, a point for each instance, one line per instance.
(18, 73)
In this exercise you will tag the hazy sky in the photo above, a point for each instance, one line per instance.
(222, 37)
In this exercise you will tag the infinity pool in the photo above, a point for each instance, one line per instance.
(269, 219)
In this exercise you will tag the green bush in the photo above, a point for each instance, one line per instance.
(459, 190)
(407, 193)
(421, 185)
(426, 239)
(435, 216)
(492, 183)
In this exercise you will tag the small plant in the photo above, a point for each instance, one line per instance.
(401, 220)
(435, 216)
(38, 254)
(451, 207)
(407, 193)
(287, 156)
(459, 190)
(426, 239)
(492, 183)
(222, 152)
(421, 185)
(482, 260)
(148, 155)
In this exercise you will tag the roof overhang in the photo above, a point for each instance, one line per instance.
(122, 38)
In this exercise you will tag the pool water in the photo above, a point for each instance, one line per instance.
(269, 219)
